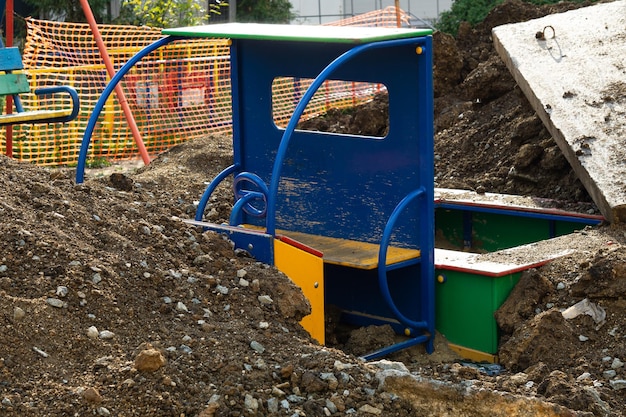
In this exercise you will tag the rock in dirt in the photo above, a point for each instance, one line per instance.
(121, 181)
(534, 342)
(529, 292)
(92, 395)
(149, 360)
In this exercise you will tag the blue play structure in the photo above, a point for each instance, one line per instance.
(351, 219)
(365, 203)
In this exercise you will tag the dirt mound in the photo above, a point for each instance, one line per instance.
(487, 136)
(111, 305)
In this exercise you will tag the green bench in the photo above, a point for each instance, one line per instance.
(13, 84)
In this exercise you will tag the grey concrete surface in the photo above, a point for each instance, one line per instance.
(572, 68)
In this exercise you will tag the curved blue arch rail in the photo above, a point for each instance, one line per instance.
(299, 110)
(382, 261)
(93, 119)
(211, 187)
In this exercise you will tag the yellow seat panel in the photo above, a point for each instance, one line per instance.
(361, 255)
(29, 116)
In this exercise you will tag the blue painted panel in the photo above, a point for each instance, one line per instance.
(356, 290)
(10, 59)
(337, 185)
(347, 186)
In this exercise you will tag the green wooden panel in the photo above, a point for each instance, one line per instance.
(449, 229)
(302, 33)
(492, 232)
(465, 305)
(13, 84)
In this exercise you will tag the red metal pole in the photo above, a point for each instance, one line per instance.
(9, 100)
(118, 89)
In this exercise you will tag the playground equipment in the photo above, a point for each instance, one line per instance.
(484, 244)
(352, 219)
(358, 210)
(12, 84)
(366, 203)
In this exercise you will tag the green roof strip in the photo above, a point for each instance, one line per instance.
(302, 33)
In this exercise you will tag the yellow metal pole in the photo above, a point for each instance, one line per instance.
(109, 114)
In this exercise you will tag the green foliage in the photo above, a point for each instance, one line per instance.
(475, 11)
(264, 11)
(165, 13)
(472, 11)
(98, 163)
(70, 9)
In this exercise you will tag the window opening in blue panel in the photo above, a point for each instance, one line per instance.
(333, 106)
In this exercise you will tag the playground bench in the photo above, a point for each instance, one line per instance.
(13, 84)
(352, 253)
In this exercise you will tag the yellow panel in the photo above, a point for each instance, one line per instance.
(473, 355)
(361, 255)
(307, 271)
(32, 116)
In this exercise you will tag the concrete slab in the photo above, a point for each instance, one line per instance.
(572, 68)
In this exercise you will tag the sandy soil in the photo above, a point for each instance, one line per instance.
(111, 305)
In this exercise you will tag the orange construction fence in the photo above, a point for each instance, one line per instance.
(178, 93)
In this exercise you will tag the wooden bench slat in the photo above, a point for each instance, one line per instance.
(30, 116)
(352, 253)
(13, 84)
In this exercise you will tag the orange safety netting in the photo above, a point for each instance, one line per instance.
(177, 93)
(386, 17)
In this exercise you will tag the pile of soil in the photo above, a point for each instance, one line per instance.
(112, 305)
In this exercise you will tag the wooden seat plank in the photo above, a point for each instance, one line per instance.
(13, 84)
(352, 253)
(32, 116)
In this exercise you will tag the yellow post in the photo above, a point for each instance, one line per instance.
(306, 270)
(398, 22)
(38, 146)
(109, 111)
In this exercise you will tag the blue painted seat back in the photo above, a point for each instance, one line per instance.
(341, 186)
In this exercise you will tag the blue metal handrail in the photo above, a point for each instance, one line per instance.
(84, 146)
(212, 186)
(382, 260)
(260, 193)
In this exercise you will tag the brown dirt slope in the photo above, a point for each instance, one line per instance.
(110, 305)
